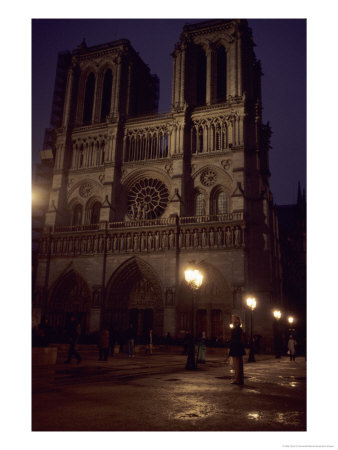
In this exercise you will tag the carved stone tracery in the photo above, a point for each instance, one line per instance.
(147, 199)
(208, 177)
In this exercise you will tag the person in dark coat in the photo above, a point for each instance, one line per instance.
(292, 348)
(44, 333)
(104, 344)
(237, 350)
(74, 333)
(149, 342)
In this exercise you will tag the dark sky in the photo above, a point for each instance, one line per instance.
(280, 45)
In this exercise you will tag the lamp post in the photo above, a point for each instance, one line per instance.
(291, 319)
(194, 279)
(251, 302)
(277, 315)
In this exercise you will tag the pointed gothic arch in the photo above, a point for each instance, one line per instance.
(132, 292)
(70, 295)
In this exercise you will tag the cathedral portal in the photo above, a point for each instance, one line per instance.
(134, 295)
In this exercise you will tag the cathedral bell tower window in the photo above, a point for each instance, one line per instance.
(201, 81)
(221, 74)
(89, 100)
(106, 95)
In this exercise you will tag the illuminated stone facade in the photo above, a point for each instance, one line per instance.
(136, 196)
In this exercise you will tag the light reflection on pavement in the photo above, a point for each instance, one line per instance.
(160, 395)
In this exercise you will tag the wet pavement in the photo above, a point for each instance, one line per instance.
(156, 393)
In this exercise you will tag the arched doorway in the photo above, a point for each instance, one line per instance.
(70, 296)
(134, 295)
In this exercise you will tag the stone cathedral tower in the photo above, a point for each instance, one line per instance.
(136, 196)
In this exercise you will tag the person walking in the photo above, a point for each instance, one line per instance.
(201, 348)
(149, 342)
(292, 348)
(104, 344)
(237, 350)
(131, 341)
(74, 332)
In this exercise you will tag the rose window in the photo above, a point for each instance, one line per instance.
(147, 199)
(85, 190)
(208, 177)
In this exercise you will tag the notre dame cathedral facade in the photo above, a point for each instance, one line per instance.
(136, 196)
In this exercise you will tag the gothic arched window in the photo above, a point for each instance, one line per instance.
(77, 215)
(199, 205)
(222, 203)
(201, 81)
(221, 74)
(89, 100)
(81, 157)
(219, 201)
(95, 213)
(106, 95)
(193, 140)
(200, 140)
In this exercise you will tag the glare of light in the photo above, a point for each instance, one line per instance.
(194, 278)
(277, 314)
(231, 325)
(290, 319)
(251, 302)
(253, 415)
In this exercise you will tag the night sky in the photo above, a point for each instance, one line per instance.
(280, 45)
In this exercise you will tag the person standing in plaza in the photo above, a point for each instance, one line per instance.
(103, 344)
(131, 341)
(74, 332)
(237, 350)
(201, 348)
(149, 342)
(292, 348)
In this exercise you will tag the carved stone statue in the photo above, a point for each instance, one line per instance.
(219, 237)
(237, 237)
(165, 240)
(204, 238)
(187, 239)
(212, 237)
(180, 239)
(128, 243)
(143, 242)
(228, 237)
(157, 241)
(171, 239)
(122, 244)
(150, 241)
(115, 243)
(136, 242)
(196, 243)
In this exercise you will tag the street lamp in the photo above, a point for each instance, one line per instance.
(251, 302)
(291, 320)
(194, 279)
(277, 315)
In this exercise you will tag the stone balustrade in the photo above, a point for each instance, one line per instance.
(188, 234)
